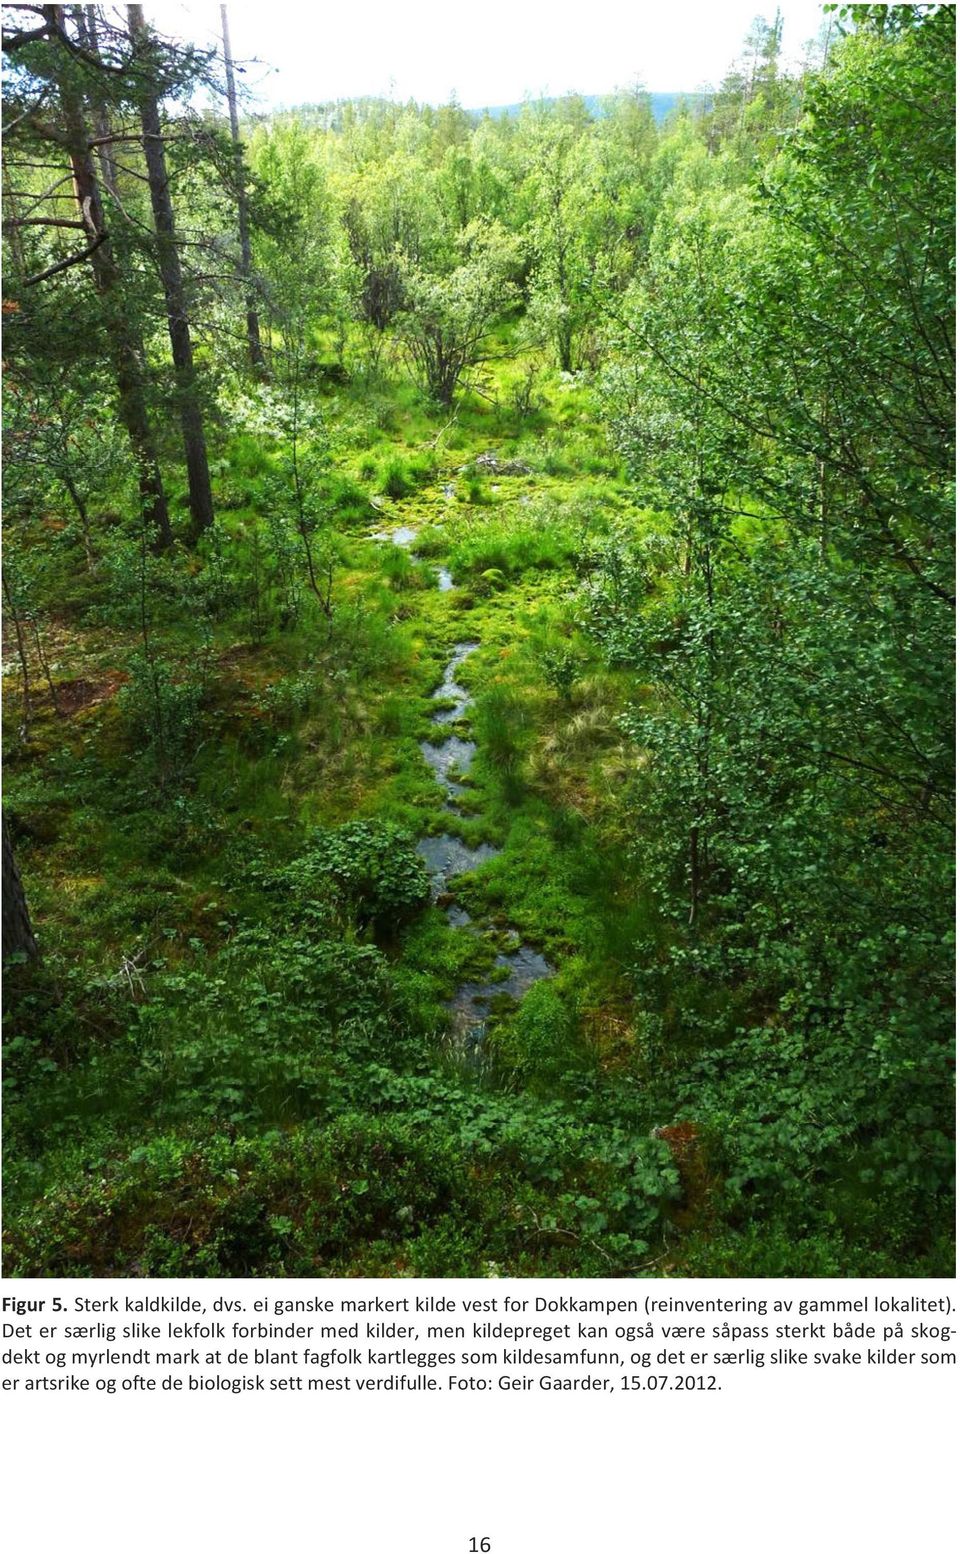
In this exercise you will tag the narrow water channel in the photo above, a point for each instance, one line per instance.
(517, 966)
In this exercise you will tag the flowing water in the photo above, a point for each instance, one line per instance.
(518, 966)
(470, 1005)
(401, 536)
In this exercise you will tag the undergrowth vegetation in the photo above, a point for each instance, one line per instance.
(701, 762)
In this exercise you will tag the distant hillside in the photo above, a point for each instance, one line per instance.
(662, 103)
(332, 116)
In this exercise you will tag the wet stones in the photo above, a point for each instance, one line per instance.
(447, 856)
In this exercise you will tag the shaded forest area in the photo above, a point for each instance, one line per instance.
(478, 601)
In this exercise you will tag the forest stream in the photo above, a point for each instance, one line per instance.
(519, 965)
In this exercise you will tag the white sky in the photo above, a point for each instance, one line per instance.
(488, 52)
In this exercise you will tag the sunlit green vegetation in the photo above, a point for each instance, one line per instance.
(670, 411)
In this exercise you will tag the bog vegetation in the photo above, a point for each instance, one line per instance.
(478, 608)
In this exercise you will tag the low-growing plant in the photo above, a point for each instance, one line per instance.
(372, 866)
(474, 490)
(161, 707)
(540, 1043)
(501, 725)
(561, 667)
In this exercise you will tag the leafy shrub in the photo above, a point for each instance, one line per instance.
(444, 1183)
(162, 712)
(524, 395)
(560, 667)
(300, 1202)
(372, 866)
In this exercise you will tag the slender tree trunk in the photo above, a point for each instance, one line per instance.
(822, 489)
(79, 503)
(694, 875)
(22, 655)
(13, 233)
(124, 346)
(17, 933)
(132, 405)
(44, 665)
(243, 224)
(191, 419)
(86, 16)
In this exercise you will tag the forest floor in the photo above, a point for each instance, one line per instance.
(299, 732)
(148, 881)
(256, 1042)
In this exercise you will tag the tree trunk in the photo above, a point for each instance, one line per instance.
(823, 515)
(12, 230)
(22, 655)
(79, 503)
(86, 16)
(694, 861)
(168, 256)
(17, 933)
(124, 346)
(243, 225)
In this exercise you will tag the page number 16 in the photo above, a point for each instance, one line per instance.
(479, 1546)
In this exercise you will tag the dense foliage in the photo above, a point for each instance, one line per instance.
(670, 411)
